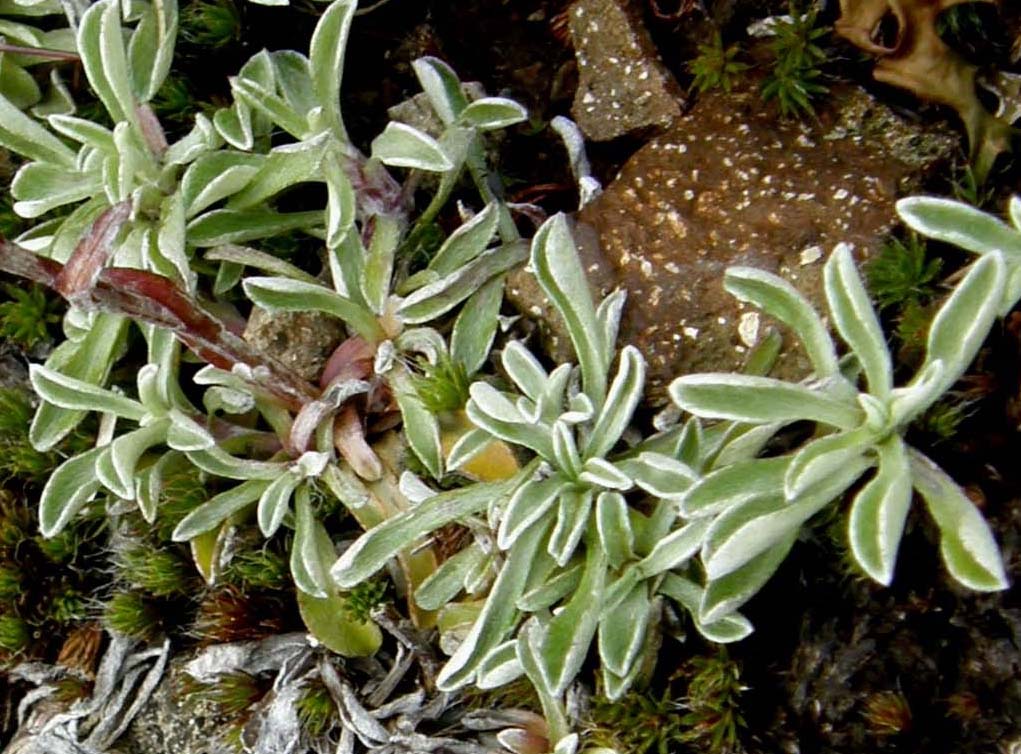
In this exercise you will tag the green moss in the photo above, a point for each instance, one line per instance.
(258, 568)
(442, 386)
(159, 572)
(211, 23)
(232, 693)
(27, 314)
(316, 710)
(901, 273)
(15, 635)
(716, 66)
(794, 79)
(712, 701)
(364, 598)
(10, 583)
(130, 614)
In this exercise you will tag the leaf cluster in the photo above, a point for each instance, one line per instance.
(716, 66)
(794, 78)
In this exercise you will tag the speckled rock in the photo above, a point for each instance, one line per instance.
(300, 340)
(622, 84)
(732, 185)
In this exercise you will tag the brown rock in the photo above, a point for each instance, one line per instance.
(623, 86)
(732, 185)
(302, 341)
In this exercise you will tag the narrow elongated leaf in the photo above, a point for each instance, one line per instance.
(966, 543)
(821, 458)
(218, 509)
(550, 592)
(490, 410)
(151, 49)
(262, 99)
(282, 294)
(878, 512)
(374, 548)
(184, 433)
(234, 125)
(726, 594)
(573, 508)
(674, 549)
(524, 369)
(476, 325)
(622, 631)
(68, 392)
(614, 528)
(570, 632)
(403, 146)
(275, 501)
(856, 320)
(311, 572)
(282, 168)
(730, 628)
(500, 667)
(116, 467)
(70, 487)
(735, 484)
(448, 580)
(467, 242)
(608, 313)
(493, 112)
(377, 271)
(528, 504)
(83, 131)
(965, 319)
(958, 223)
(218, 462)
(23, 135)
(565, 450)
(237, 226)
(216, 176)
(40, 187)
(442, 87)
(497, 614)
(559, 272)
(781, 300)
(602, 473)
(101, 48)
(421, 426)
(659, 474)
(759, 400)
(326, 60)
(747, 529)
(621, 400)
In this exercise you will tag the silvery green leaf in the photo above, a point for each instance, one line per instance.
(378, 268)
(551, 591)
(739, 442)
(237, 226)
(621, 400)
(650, 529)
(959, 224)
(260, 260)
(40, 187)
(659, 474)
(856, 320)
(759, 400)
(340, 209)
(151, 49)
(467, 242)
(421, 427)
(186, 434)
(116, 467)
(573, 509)
(565, 450)
(227, 400)
(558, 269)
(101, 47)
(476, 324)
(170, 243)
(403, 146)
(326, 61)
(497, 616)
(744, 530)
(283, 167)
(234, 125)
(374, 548)
(569, 634)
(734, 484)
(528, 504)
(274, 503)
(68, 392)
(819, 459)
(150, 390)
(89, 361)
(730, 628)
(579, 408)
(24, 136)
(216, 176)
(70, 487)
(57, 99)
(467, 447)
(965, 319)
(622, 631)
(307, 566)
(726, 594)
(265, 100)
(490, 113)
(281, 294)
(218, 462)
(781, 300)
(608, 314)
(16, 84)
(294, 80)
(212, 513)
(437, 298)
(674, 549)
(491, 411)
(524, 369)
(878, 512)
(615, 687)
(448, 579)
(310, 464)
(442, 87)
(202, 138)
(500, 667)
(763, 355)
(83, 131)
(602, 473)
(614, 528)
(149, 486)
(966, 542)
